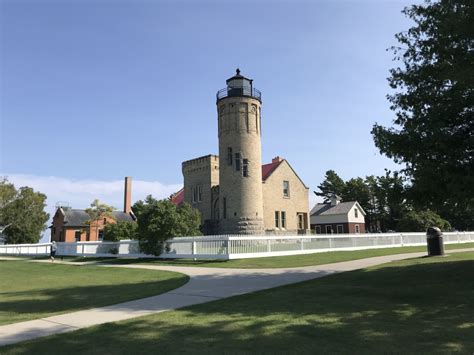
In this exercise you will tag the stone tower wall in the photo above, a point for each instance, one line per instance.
(203, 173)
(239, 127)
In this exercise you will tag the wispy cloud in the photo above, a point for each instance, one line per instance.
(80, 193)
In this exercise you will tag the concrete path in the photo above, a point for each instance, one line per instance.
(205, 285)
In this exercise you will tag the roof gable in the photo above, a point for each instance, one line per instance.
(325, 209)
(177, 198)
(277, 165)
(268, 169)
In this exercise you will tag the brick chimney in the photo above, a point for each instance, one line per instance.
(277, 159)
(127, 200)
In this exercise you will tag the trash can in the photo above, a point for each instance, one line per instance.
(434, 239)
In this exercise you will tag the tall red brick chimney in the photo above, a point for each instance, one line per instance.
(127, 201)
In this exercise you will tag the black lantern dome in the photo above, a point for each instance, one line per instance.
(239, 85)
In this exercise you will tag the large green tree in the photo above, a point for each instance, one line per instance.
(433, 101)
(332, 184)
(159, 220)
(22, 215)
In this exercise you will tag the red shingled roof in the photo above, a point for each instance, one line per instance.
(268, 169)
(178, 197)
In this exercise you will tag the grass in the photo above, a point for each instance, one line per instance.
(30, 290)
(423, 305)
(278, 261)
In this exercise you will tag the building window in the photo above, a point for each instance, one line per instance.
(277, 219)
(101, 235)
(237, 161)
(194, 194)
(245, 167)
(357, 229)
(224, 207)
(229, 156)
(300, 221)
(356, 213)
(328, 230)
(105, 221)
(77, 236)
(199, 193)
(340, 229)
(318, 229)
(283, 219)
(286, 188)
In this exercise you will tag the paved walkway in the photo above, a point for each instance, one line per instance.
(205, 285)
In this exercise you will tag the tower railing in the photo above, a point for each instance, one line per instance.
(240, 91)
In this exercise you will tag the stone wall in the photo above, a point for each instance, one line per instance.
(274, 199)
(240, 196)
(201, 174)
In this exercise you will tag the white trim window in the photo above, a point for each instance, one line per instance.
(277, 219)
(357, 229)
(318, 229)
(340, 229)
(283, 219)
(328, 229)
(356, 213)
(286, 188)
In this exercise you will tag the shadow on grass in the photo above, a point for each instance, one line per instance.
(38, 303)
(422, 307)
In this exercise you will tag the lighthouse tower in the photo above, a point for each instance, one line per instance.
(240, 157)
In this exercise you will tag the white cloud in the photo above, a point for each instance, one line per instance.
(80, 193)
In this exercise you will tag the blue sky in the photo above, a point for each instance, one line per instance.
(92, 91)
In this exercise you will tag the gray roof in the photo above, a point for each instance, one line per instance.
(78, 218)
(325, 209)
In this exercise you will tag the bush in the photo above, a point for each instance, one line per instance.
(121, 230)
(419, 221)
(159, 220)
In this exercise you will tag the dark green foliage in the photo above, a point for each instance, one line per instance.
(114, 232)
(159, 220)
(383, 198)
(332, 184)
(434, 107)
(419, 221)
(22, 215)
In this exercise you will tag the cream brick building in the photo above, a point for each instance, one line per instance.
(234, 192)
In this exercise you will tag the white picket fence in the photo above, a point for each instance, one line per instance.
(237, 246)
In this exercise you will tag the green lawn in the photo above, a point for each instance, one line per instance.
(281, 261)
(423, 305)
(30, 290)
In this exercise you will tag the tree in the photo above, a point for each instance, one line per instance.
(159, 220)
(96, 212)
(114, 232)
(22, 215)
(332, 184)
(434, 109)
(419, 221)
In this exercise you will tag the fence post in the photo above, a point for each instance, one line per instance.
(193, 249)
(302, 245)
(269, 248)
(401, 239)
(457, 234)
